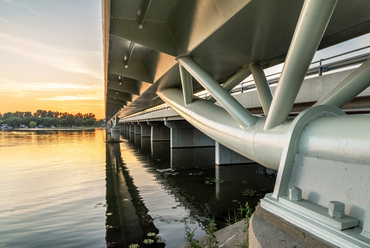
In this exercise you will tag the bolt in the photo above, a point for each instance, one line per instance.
(336, 209)
(336, 205)
(295, 193)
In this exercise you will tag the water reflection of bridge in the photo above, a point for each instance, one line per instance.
(199, 185)
(128, 221)
(200, 200)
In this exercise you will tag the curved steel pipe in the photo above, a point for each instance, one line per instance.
(318, 138)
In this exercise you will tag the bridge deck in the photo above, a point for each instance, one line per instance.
(143, 38)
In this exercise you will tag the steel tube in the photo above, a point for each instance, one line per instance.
(263, 88)
(234, 80)
(312, 23)
(340, 138)
(229, 103)
(349, 88)
(318, 138)
(215, 122)
(187, 85)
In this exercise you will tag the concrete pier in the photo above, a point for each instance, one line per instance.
(159, 132)
(132, 128)
(137, 129)
(225, 156)
(185, 135)
(145, 129)
(115, 133)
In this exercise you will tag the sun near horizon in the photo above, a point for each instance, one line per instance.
(51, 56)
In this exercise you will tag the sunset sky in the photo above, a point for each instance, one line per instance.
(51, 56)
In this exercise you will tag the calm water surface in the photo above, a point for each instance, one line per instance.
(70, 189)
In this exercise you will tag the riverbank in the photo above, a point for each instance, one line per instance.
(57, 129)
(231, 236)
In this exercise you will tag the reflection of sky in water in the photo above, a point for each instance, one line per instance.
(54, 190)
(50, 187)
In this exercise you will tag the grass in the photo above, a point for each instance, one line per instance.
(242, 213)
(211, 241)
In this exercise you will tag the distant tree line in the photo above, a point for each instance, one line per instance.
(49, 119)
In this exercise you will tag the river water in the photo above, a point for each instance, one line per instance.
(71, 189)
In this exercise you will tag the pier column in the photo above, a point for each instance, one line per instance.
(159, 132)
(115, 132)
(226, 156)
(185, 135)
(131, 128)
(137, 129)
(189, 147)
(125, 127)
(145, 129)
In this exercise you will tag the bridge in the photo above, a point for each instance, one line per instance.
(314, 131)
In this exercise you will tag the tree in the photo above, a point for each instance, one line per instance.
(27, 114)
(7, 115)
(33, 124)
(79, 122)
(27, 120)
(89, 116)
(14, 121)
(79, 115)
(49, 118)
(89, 122)
(49, 121)
(41, 113)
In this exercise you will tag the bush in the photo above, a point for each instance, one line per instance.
(33, 124)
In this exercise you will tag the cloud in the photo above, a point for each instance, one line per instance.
(22, 5)
(63, 59)
(11, 86)
(8, 22)
(92, 104)
(73, 98)
(54, 86)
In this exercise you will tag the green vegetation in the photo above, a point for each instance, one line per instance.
(49, 119)
(33, 124)
(241, 214)
(211, 241)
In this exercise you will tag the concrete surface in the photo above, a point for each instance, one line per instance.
(269, 230)
(231, 236)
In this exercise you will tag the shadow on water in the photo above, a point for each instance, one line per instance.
(189, 175)
(127, 221)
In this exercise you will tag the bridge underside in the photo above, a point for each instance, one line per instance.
(168, 50)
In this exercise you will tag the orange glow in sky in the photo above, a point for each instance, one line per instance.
(51, 56)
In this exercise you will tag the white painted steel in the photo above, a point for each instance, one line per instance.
(318, 139)
(233, 107)
(218, 124)
(187, 85)
(338, 138)
(263, 88)
(312, 23)
(234, 80)
(349, 88)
